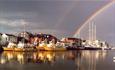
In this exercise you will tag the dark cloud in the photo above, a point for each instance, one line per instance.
(56, 17)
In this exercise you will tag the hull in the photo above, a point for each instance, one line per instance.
(8, 49)
(40, 48)
(50, 49)
(60, 49)
(92, 48)
(55, 49)
(75, 48)
(19, 49)
(25, 49)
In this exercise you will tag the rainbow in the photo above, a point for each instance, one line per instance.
(94, 15)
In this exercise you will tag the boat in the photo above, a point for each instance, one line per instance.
(50, 47)
(21, 47)
(92, 47)
(10, 47)
(41, 46)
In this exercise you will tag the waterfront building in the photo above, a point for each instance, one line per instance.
(22, 39)
(38, 38)
(12, 38)
(6, 38)
(26, 35)
(72, 41)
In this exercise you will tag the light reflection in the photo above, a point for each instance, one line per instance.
(10, 56)
(83, 60)
(2, 61)
(113, 59)
(20, 58)
(89, 59)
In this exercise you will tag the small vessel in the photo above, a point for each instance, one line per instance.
(91, 47)
(21, 47)
(11, 46)
(41, 46)
(50, 47)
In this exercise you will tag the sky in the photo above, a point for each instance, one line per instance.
(105, 25)
(58, 17)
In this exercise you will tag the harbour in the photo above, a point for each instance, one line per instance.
(57, 35)
(26, 41)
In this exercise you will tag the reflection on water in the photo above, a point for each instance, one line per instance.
(27, 57)
(89, 59)
(82, 60)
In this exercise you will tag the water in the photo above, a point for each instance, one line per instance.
(67, 60)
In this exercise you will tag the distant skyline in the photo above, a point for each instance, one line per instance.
(60, 18)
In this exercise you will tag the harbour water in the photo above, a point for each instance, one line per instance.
(63, 60)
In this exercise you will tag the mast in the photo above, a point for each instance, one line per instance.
(23, 22)
(90, 31)
(95, 31)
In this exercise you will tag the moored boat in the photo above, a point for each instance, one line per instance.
(21, 47)
(50, 47)
(8, 49)
(11, 46)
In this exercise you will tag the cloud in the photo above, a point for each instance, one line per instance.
(13, 23)
(45, 15)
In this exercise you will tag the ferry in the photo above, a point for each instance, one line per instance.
(11, 46)
(8, 49)
(50, 47)
(21, 47)
(96, 45)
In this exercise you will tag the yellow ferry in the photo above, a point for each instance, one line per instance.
(49, 47)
